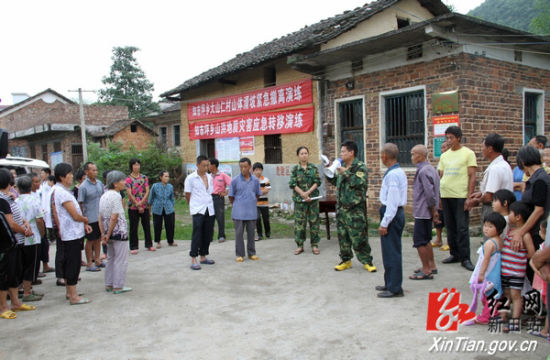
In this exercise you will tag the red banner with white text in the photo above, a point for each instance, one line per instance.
(281, 122)
(275, 97)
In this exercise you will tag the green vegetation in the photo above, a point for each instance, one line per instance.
(516, 14)
(127, 84)
(153, 159)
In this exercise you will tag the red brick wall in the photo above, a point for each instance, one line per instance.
(490, 100)
(139, 139)
(40, 112)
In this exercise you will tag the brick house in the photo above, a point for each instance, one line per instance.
(49, 123)
(393, 70)
(128, 132)
(167, 126)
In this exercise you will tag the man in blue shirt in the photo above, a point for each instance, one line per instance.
(393, 196)
(243, 194)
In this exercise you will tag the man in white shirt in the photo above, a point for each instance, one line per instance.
(497, 176)
(393, 196)
(198, 193)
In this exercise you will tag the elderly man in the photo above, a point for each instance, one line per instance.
(457, 170)
(393, 196)
(497, 176)
(425, 209)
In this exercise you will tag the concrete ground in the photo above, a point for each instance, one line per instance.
(281, 307)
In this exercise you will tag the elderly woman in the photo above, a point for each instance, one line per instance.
(72, 226)
(10, 262)
(161, 202)
(114, 233)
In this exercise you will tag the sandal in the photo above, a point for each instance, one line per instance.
(445, 248)
(25, 307)
(299, 251)
(421, 276)
(8, 314)
(315, 250)
(158, 246)
(81, 302)
(173, 244)
(433, 271)
(436, 244)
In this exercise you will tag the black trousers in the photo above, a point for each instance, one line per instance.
(72, 257)
(169, 222)
(203, 230)
(11, 269)
(219, 210)
(59, 273)
(31, 262)
(457, 222)
(263, 215)
(44, 248)
(391, 251)
(134, 216)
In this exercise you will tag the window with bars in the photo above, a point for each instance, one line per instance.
(77, 157)
(177, 139)
(273, 149)
(350, 115)
(530, 116)
(33, 151)
(404, 120)
(19, 151)
(163, 138)
(45, 152)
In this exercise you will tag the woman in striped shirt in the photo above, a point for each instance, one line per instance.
(514, 264)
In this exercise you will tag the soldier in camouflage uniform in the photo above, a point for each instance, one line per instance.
(305, 180)
(351, 209)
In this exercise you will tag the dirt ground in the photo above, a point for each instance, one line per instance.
(280, 307)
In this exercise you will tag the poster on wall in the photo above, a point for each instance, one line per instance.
(56, 158)
(226, 168)
(227, 149)
(442, 122)
(437, 145)
(445, 102)
(246, 145)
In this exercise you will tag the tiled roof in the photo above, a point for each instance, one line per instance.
(305, 38)
(116, 127)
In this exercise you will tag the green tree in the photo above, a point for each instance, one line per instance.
(541, 22)
(127, 85)
(154, 159)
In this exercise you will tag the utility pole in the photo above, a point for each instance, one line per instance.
(82, 123)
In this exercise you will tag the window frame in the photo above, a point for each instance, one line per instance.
(382, 116)
(174, 135)
(540, 111)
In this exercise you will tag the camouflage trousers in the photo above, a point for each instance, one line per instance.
(352, 233)
(306, 213)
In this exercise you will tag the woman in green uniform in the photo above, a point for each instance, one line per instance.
(305, 181)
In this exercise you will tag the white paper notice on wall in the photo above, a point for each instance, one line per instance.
(227, 149)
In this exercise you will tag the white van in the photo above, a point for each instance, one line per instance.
(23, 165)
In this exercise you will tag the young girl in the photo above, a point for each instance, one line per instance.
(514, 264)
(486, 276)
(502, 199)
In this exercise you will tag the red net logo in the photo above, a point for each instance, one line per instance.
(445, 311)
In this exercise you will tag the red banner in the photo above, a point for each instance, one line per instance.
(275, 97)
(282, 122)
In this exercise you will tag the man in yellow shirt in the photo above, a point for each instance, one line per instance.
(457, 169)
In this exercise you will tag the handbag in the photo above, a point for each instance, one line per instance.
(7, 237)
